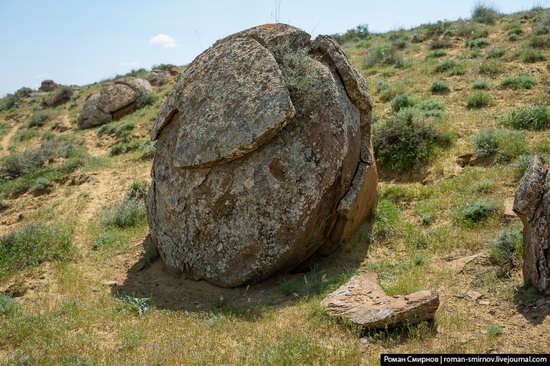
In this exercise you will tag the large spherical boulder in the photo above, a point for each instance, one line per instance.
(113, 101)
(263, 157)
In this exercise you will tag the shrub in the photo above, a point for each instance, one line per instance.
(137, 190)
(137, 305)
(514, 29)
(439, 86)
(41, 183)
(484, 13)
(431, 105)
(123, 214)
(8, 102)
(437, 54)
(478, 43)
(505, 144)
(485, 143)
(528, 118)
(543, 24)
(441, 43)
(506, 250)
(23, 92)
(383, 55)
(125, 147)
(484, 186)
(539, 41)
(402, 101)
(496, 52)
(518, 82)
(8, 305)
(452, 67)
(405, 141)
(38, 119)
(494, 330)
(34, 244)
(102, 240)
(521, 166)
(530, 55)
(481, 85)
(513, 37)
(490, 67)
(476, 211)
(145, 99)
(478, 100)
(358, 33)
(19, 163)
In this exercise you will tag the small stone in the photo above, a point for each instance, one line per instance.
(349, 301)
(474, 295)
(484, 302)
(111, 283)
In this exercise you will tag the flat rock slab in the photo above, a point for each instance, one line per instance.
(362, 301)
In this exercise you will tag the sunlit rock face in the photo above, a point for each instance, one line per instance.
(263, 157)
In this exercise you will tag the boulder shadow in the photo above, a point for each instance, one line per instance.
(532, 305)
(178, 292)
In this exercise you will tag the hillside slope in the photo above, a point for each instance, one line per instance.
(72, 285)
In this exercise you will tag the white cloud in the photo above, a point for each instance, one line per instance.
(128, 63)
(164, 40)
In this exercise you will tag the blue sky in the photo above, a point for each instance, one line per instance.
(82, 41)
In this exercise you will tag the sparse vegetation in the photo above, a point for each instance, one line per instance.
(484, 13)
(406, 141)
(518, 82)
(475, 212)
(490, 67)
(481, 84)
(34, 244)
(8, 305)
(478, 43)
(506, 250)
(383, 55)
(504, 144)
(451, 67)
(439, 86)
(478, 100)
(126, 213)
(528, 118)
(402, 101)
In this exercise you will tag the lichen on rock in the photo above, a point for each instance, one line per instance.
(259, 162)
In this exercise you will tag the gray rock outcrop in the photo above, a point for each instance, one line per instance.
(113, 101)
(58, 97)
(263, 157)
(363, 302)
(532, 205)
(163, 74)
(48, 85)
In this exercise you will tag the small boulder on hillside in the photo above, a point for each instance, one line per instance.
(163, 74)
(114, 101)
(263, 157)
(58, 97)
(363, 302)
(532, 205)
(48, 85)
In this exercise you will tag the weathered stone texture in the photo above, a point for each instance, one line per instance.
(249, 173)
(532, 205)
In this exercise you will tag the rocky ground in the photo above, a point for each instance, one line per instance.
(76, 290)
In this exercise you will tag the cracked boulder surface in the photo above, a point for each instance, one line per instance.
(263, 157)
(363, 302)
(532, 205)
(113, 101)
